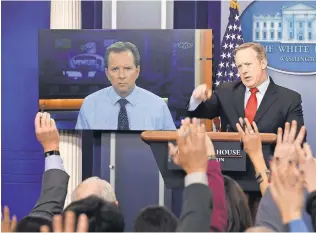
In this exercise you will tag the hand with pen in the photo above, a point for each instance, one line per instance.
(46, 131)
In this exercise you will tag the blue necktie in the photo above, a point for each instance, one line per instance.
(122, 123)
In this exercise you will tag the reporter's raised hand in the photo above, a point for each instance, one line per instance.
(208, 142)
(253, 147)
(250, 138)
(191, 153)
(202, 93)
(307, 166)
(8, 225)
(287, 190)
(69, 223)
(210, 147)
(287, 140)
(46, 131)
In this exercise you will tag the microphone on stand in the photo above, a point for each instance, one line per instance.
(228, 128)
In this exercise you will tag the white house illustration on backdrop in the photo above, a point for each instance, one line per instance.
(294, 24)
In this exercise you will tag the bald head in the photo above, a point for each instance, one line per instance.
(94, 186)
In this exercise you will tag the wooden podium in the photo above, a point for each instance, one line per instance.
(229, 152)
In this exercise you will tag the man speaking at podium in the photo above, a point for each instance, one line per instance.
(255, 97)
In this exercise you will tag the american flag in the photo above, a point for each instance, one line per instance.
(226, 69)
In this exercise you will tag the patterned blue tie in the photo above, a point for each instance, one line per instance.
(122, 123)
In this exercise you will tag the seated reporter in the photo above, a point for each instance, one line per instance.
(215, 179)
(238, 212)
(103, 216)
(155, 219)
(68, 223)
(250, 137)
(269, 215)
(191, 154)
(307, 166)
(287, 189)
(219, 215)
(94, 186)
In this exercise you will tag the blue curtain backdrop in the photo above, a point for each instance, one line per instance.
(22, 160)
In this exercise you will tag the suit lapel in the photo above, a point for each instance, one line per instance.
(239, 98)
(268, 99)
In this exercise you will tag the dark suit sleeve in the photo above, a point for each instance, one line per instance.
(53, 194)
(268, 214)
(196, 209)
(296, 111)
(311, 207)
(208, 109)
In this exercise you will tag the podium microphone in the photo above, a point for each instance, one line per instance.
(228, 128)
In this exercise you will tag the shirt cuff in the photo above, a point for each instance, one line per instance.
(297, 225)
(194, 103)
(195, 178)
(54, 162)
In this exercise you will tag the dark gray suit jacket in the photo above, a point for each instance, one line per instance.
(269, 215)
(196, 209)
(279, 105)
(53, 194)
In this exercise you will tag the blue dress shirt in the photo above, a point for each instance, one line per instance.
(54, 162)
(298, 226)
(145, 111)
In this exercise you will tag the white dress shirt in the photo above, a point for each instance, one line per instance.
(195, 178)
(262, 88)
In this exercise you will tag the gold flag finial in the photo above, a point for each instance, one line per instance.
(233, 4)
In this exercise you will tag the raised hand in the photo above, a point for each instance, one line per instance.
(46, 131)
(69, 224)
(287, 140)
(8, 225)
(287, 190)
(253, 147)
(190, 152)
(307, 166)
(250, 137)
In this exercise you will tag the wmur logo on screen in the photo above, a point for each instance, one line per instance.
(87, 59)
(287, 30)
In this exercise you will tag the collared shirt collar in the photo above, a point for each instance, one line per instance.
(131, 98)
(262, 87)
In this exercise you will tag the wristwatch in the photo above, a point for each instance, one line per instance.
(211, 157)
(51, 152)
(259, 176)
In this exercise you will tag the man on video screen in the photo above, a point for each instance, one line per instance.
(124, 106)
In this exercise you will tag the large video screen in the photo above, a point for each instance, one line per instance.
(79, 64)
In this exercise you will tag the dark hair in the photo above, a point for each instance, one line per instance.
(32, 224)
(238, 212)
(155, 219)
(119, 47)
(103, 216)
